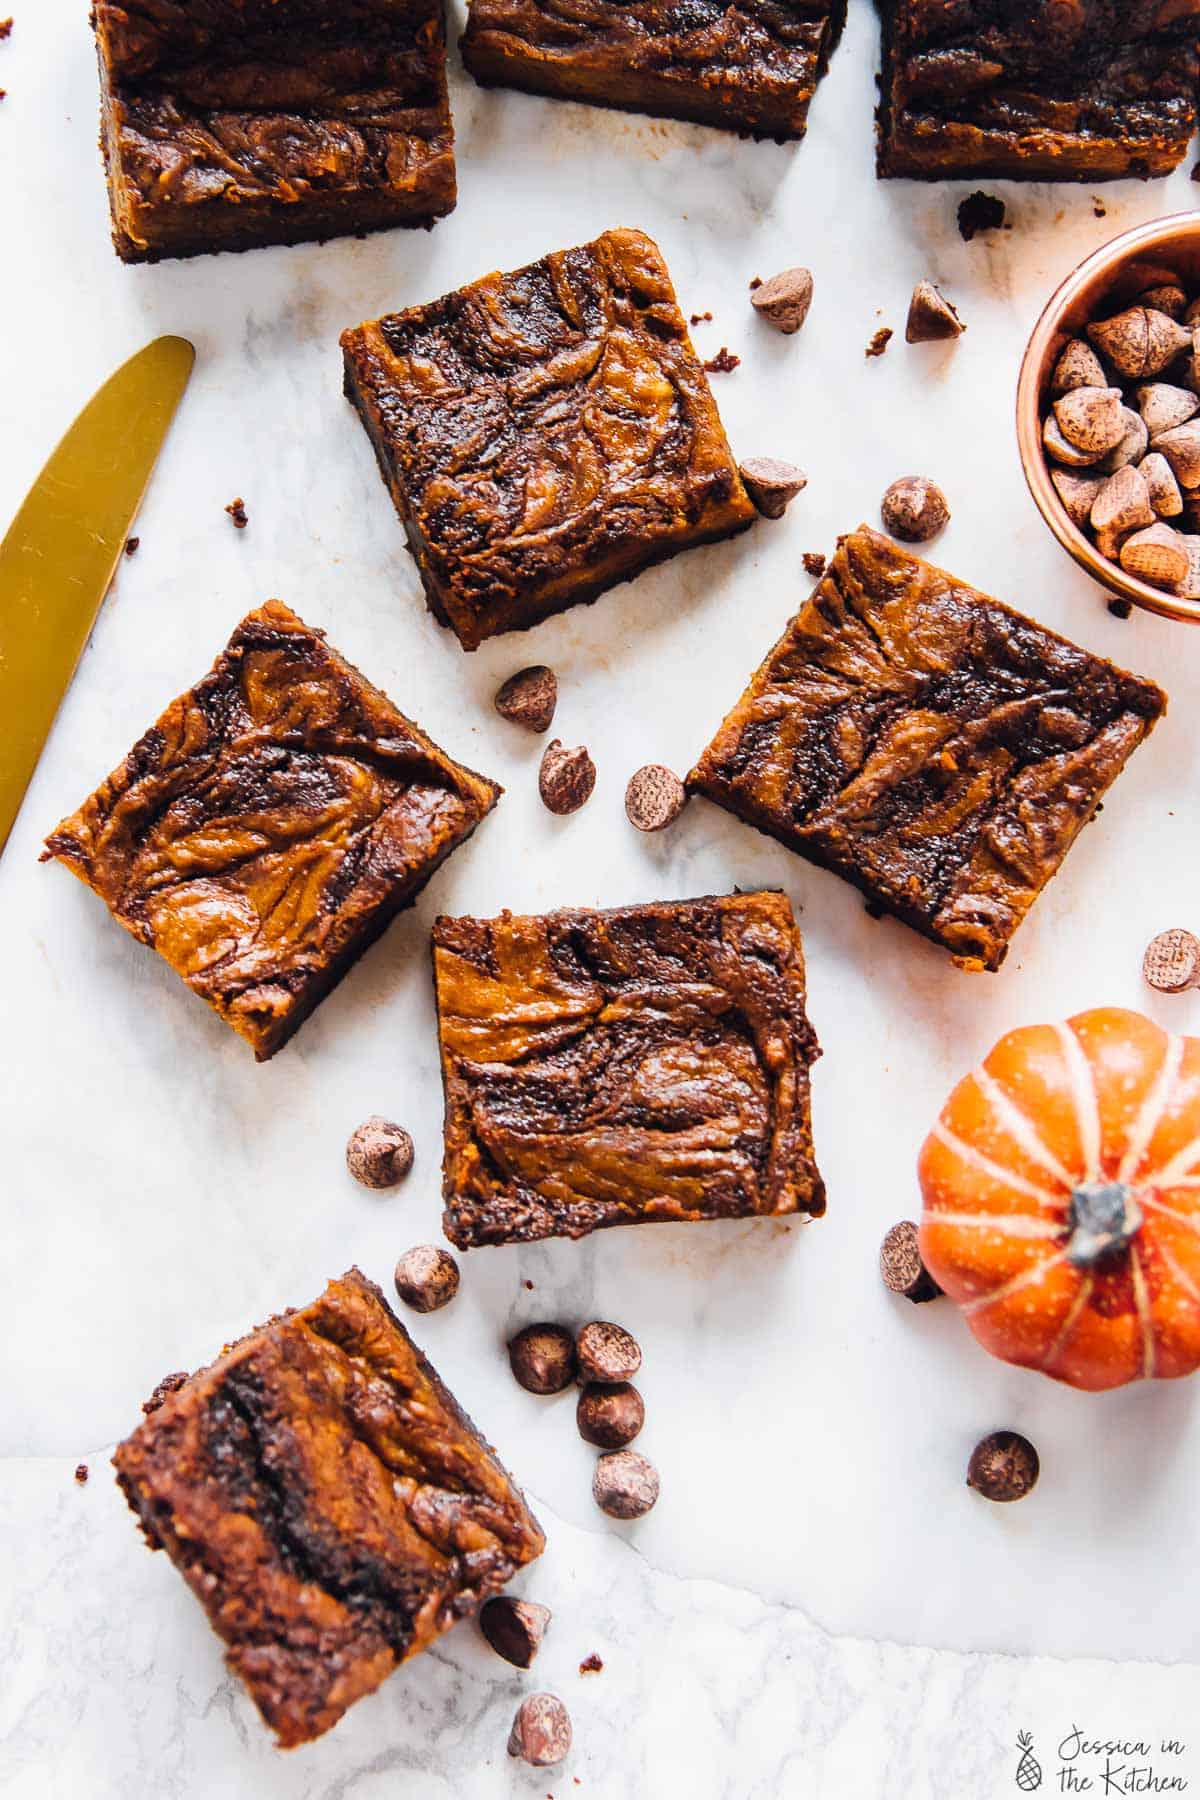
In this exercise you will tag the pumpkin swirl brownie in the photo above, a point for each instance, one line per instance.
(327, 1501)
(928, 743)
(268, 828)
(229, 124)
(617, 1068)
(545, 434)
(1065, 90)
(750, 67)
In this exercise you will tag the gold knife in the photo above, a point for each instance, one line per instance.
(59, 555)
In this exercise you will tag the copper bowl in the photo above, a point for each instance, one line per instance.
(1110, 279)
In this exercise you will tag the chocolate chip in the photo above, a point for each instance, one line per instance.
(814, 562)
(624, 1484)
(81, 1473)
(541, 1731)
(237, 512)
(529, 698)
(654, 798)
(1172, 961)
(771, 484)
(901, 1266)
(427, 1278)
(880, 341)
(979, 212)
(1121, 609)
(914, 509)
(784, 300)
(131, 546)
(379, 1153)
(170, 1384)
(1004, 1466)
(607, 1352)
(931, 317)
(542, 1358)
(514, 1628)
(566, 778)
(609, 1415)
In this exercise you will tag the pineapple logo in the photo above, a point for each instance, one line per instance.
(1029, 1769)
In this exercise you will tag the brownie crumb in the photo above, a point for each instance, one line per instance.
(591, 1665)
(131, 546)
(6, 26)
(880, 341)
(723, 362)
(237, 512)
(814, 562)
(979, 212)
(166, 1387)
(1120, 609)
(1099, 210)
(757, 281)
(703, 318)
(81, 1469)
(529, 1285)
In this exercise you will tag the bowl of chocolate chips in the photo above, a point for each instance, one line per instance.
(1108, 416)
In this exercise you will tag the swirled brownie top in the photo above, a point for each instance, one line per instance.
(616, 1068)
(263, 833)
(328, 1502)
(933, 746)
(752, 67)
(1069, 89)
(545, 433)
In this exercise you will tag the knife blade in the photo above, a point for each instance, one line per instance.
(60, 552)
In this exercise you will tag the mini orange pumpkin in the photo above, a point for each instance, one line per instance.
(1062, 1200)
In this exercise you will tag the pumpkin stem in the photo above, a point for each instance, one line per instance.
(1105, 1216)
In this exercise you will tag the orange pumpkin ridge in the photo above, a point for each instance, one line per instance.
(1061, 1189)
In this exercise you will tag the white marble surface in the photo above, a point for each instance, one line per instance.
(161, 1191)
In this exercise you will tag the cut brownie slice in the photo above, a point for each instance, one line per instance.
(272, 823)
(936, 748)
(328, 1502)
(545, 434)
(228, 124)
(750, 67)
(617, 1068)
(1083, 91)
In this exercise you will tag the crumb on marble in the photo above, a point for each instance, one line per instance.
(723, 362)
(237, 512)
(704, 318)
(591, 1664)
(81, 1473)
(880, 341)
(131, 546)
(814, 562)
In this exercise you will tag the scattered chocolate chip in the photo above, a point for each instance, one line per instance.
(624, 1484)
(723, 363)
(541, 1731)
(426, 1278)
(814, 562)
(379, 1153)
(607, 1352)
(1171, 963)
(542, 1358)
(756, 281)
(81, 1473)
(1003, 1466)
(131, 546)
(931, 316)
(771, 484)
(169, 1385)
(784, 300)
(566, 778)
(914, 509)
(704, 318)
(880, 341)
(1099, 210)
(654, 798)
(514, 1628)
(609, 1415)
(901, 1266)
(1121, 609)
(237, 512)
(979, 212)
(529, 698)
(528, 1284)
(591, 1665)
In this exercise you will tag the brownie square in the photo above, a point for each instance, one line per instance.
(271, 824)
(545, 434)
(750, 67)
(229, 124)
(933, 746)
(327, 1501)
(1081, 92)
(618, 1068)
